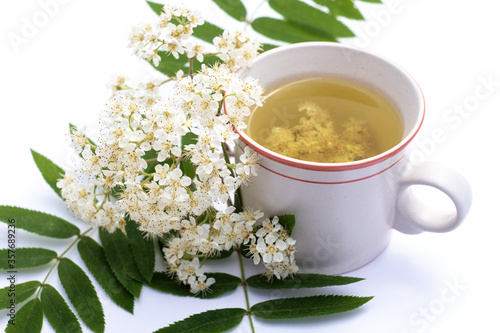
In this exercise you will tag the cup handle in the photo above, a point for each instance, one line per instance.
(413, 216)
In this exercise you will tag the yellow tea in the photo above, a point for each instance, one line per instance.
(326, 120)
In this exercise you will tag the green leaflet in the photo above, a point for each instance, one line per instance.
(300, 281)
(17, 293)
(267, 47)
(287, 221)
(213, 321)
(299, 307)
(81, 294)
(286, 31)
(95, 260)
(224, 284)
(156, 7)
(120, 259)
(29, 318)
(187, 166)
(345, 8)
(25, 257)
(50, 171)
(170, 66)
(207, 32)
(143, 250)
(58, 312)
(372, 1)
(233, 8)
(310, 18)
(37, 222)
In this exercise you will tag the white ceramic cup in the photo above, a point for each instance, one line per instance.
(345, 212)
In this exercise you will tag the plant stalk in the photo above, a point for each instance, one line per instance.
(245, 289)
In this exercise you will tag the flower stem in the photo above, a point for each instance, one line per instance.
(245, 289)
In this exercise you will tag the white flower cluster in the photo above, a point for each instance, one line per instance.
(274, 246)
(229, 230)
(171, 32)
(163, 163)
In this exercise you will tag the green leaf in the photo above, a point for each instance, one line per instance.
(81, 294)
(233, 8)
(25, 257)
(299, 307)
(187, 166)
(207, 32)
(37, 222)
(267, 47)
(345, 8)
(189, 139)
(95, 260)
(311, 18)
(143, 250)
(212, 321)
(121, 260)
(58, 312)
(17, 293)
(50, 171)
(299, 281)
(372, 1)
(286, 31)
(156, 7)
(224, 284)
(287, 221)
(28, 319)
(170, 66)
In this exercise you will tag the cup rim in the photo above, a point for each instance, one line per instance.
(318, 166)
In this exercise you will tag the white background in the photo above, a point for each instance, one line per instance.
(425, 283)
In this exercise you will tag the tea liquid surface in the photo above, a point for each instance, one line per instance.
(328, 120)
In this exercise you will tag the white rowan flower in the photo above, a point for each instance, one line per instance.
(201, 284)
(189, 269)
(174, 47)
(176, 184)
(195, 50)
(118, 82)
(248, 165)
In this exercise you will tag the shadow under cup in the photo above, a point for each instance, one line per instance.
(345, 212)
